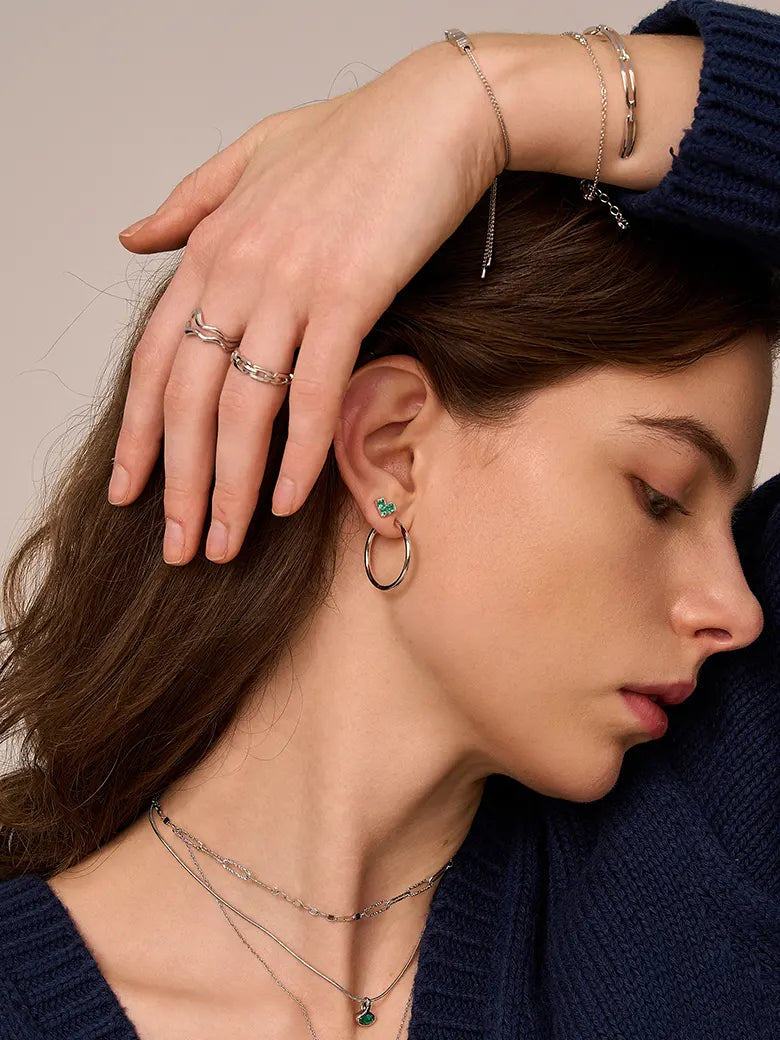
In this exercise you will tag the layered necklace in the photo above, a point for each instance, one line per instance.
(365, 1014)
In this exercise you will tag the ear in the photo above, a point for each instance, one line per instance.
(389, 421)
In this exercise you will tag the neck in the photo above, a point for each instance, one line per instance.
(344, 782)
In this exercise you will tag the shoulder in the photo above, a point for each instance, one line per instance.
(50, 986)
(22, 956)
(25, 902)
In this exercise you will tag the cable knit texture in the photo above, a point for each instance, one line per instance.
(653, 913)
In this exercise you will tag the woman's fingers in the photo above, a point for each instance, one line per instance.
(191, 400)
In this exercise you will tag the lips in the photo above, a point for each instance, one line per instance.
(664, 693)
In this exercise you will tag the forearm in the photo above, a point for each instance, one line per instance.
(549, 94)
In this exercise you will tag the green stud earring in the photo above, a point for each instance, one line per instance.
(385, 508)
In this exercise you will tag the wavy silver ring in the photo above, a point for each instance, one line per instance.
(201, 327)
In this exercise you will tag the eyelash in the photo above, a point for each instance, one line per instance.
(669, 505)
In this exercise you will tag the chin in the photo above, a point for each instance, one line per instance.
(591, 781)
(599, 782)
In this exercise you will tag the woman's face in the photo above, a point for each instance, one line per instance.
(544, 582)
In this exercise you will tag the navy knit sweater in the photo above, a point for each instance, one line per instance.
(653, 913)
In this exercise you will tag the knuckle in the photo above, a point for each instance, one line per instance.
(289, 268)
(313, 413)
(145, 362)
(177, 492)
(132, 441)
(237, 403)
(187, 188)
(307, 391)
(313, 402)
(233, 399)
(305, 432)
(203, 239)
(177, 398)
(228, 494)
(232, 507)
(243, 249)
(341, 292)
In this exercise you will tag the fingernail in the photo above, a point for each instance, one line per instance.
(284, 497)
(119, 486)
(217, 542)
(173, 546)
(133, 228)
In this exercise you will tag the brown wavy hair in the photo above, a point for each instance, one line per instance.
(119, 672)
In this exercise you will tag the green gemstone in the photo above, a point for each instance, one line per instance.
(366, 1018)
(385, 508)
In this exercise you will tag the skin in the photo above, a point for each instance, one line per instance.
(539, 584)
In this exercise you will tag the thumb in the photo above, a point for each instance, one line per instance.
(195, 196)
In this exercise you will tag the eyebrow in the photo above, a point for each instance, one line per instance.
(692, 431)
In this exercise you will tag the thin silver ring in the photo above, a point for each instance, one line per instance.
(407, 556)
(262, 375)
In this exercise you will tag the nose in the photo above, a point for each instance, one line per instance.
(719, 609)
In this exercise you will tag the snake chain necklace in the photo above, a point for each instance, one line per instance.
(276, 979)
(365, 1016)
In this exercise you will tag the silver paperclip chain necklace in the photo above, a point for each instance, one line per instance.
(245, 874)
(365, 1016)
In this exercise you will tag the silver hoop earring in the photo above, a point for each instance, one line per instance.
(407, 557)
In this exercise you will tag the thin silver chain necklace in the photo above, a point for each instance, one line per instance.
(277, 980)
(365, 1016)
(245, 874)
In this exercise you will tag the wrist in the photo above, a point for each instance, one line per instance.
(470, 112)
(549, 95)
(511, 64)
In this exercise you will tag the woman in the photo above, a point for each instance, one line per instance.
(338, 740)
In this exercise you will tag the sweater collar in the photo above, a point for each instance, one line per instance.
(484, 908)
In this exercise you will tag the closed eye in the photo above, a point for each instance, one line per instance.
(660, 507)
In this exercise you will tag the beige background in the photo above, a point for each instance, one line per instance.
(108, 105)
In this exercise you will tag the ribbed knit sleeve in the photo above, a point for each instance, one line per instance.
(725, 178)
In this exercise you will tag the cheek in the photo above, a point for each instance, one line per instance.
(519, 561)
(518, 607)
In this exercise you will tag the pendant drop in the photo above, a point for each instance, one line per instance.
(366, 1017)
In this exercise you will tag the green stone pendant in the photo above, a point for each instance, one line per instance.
(385, 509)
(366, 1016)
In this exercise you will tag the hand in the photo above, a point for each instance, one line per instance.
(305, 228)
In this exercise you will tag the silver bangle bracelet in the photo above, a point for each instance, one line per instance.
(629, 83)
